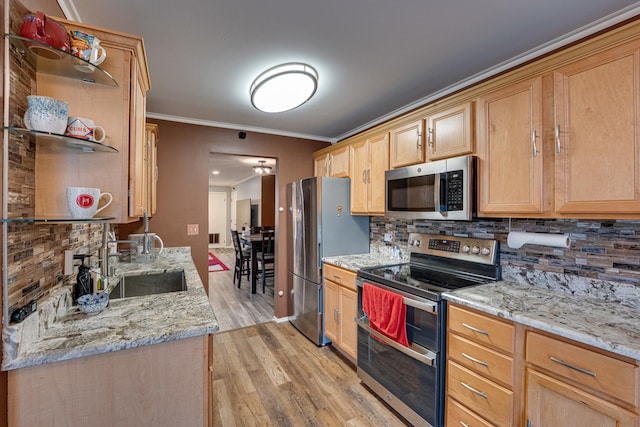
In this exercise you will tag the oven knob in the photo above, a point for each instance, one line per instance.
(466, 249)
(485, 251)
(475, 250)
(415, 242)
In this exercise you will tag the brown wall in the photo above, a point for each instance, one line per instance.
(183, 156)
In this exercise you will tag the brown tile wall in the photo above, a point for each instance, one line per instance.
(606, 250)
(35, 252)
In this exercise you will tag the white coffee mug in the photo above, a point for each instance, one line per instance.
(83, 201)
(46, 114)
(83, 128)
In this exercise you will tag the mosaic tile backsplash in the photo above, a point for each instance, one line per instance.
(604, 250)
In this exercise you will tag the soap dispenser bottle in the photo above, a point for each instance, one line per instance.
(84, 281)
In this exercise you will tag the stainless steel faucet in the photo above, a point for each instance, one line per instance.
(104, 254)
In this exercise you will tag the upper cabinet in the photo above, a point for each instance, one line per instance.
(151, 168)
(120, 110)
(510, 149)
(450, 132)
(334, 163)
(407, 144)
(597, 133)
(369, 160)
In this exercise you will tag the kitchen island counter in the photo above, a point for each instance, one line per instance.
(60, 331)
(599, 321)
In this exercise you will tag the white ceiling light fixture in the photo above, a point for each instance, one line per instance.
(284, 87)
(262, 169)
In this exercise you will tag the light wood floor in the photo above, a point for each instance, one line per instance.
(236, 308)
(271, 375)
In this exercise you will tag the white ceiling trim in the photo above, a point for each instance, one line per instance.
(587, 30)
(237, 127)
(69, 9)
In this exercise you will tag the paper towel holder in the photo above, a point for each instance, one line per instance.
(517, 239)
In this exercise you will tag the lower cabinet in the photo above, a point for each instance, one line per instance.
(340, 309)
(166, 384)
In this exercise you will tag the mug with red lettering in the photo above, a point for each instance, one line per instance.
(83, 201)
(83, 128)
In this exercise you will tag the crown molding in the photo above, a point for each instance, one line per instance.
(238, 127)
(69, 9)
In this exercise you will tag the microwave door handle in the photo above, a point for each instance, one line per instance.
(437, 187)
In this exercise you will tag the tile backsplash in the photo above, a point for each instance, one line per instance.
(600, 249)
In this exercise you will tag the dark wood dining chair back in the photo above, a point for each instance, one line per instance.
(266, 257)
(242, 258)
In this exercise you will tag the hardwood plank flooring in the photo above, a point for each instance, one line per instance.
(271, 375)
(237, 308)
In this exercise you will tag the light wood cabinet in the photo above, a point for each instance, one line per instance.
(333, 164)
(482, 382)
(165, 384)
(597, 123)
(567, 382)
(510, 150)
(120, 110)
(151, 167)
(450, 132)
(407, 144)
(340, 309)
(369, 159)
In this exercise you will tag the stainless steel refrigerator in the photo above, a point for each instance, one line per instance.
(319, 224)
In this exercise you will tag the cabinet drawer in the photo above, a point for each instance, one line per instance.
(481, 328)
(481, 359)
(597, 371)
(458, 415)
(482, 396)
(340, 276)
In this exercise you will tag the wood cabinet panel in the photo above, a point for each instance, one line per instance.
(359, 159)
(481, 328)
(407, 144)
(552, 403)
(331, 303)
(483, 360)
(598, 133)
(510, 149)
(600, 372)
(340, 276)
(450, 132)
(484, 397)
(333, 164)
(341, 307)
(458, 415)
(348, 326)
(369, 160)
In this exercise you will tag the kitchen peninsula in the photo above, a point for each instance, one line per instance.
(162, 340)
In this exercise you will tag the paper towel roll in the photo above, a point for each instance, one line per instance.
(516, 239)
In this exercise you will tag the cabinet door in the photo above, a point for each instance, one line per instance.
(331, 307)
(137, 143)
(597, 133)
(552, 403)
(339, 162)
(359, 160)
(153, 169)
(407, 144)
(450, 132)
(348, 327)
(320, 165)
(378, 164)
(510, 150)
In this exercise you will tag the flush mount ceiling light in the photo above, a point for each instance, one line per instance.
(262, 169)
(284, 87)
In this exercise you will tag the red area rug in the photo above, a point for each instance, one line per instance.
(215, 264)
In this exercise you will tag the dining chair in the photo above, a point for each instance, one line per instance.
(266, 257)
(243, 256)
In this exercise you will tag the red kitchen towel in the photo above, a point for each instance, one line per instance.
(386, 312)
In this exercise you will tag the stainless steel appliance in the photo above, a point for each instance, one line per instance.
(436, 190)
(411, 379)
(319, 224)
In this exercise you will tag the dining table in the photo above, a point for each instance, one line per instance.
(254, 242)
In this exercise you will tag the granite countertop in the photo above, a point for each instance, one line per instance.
(358, 261)
(60, 331)
(600, 322)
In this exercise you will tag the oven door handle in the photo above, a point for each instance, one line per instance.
(429, 307)
(428, 357)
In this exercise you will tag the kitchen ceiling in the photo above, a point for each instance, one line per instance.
(234, 169)
(375, 58)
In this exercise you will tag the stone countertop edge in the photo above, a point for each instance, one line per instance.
(357, 261)
(61, 334)
(610, 326)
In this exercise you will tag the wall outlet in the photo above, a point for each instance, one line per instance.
(389, 237)
(193, 229)
(68, 263)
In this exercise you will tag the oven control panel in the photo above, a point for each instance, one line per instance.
(482, 251)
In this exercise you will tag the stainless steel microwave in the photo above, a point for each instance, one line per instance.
(440, 190)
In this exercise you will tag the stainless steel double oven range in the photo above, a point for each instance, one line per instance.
(412, 379)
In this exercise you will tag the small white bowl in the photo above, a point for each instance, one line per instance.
(93, 303)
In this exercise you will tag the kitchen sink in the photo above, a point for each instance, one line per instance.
(149, 284)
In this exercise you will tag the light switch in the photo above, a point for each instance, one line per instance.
(193, 229)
